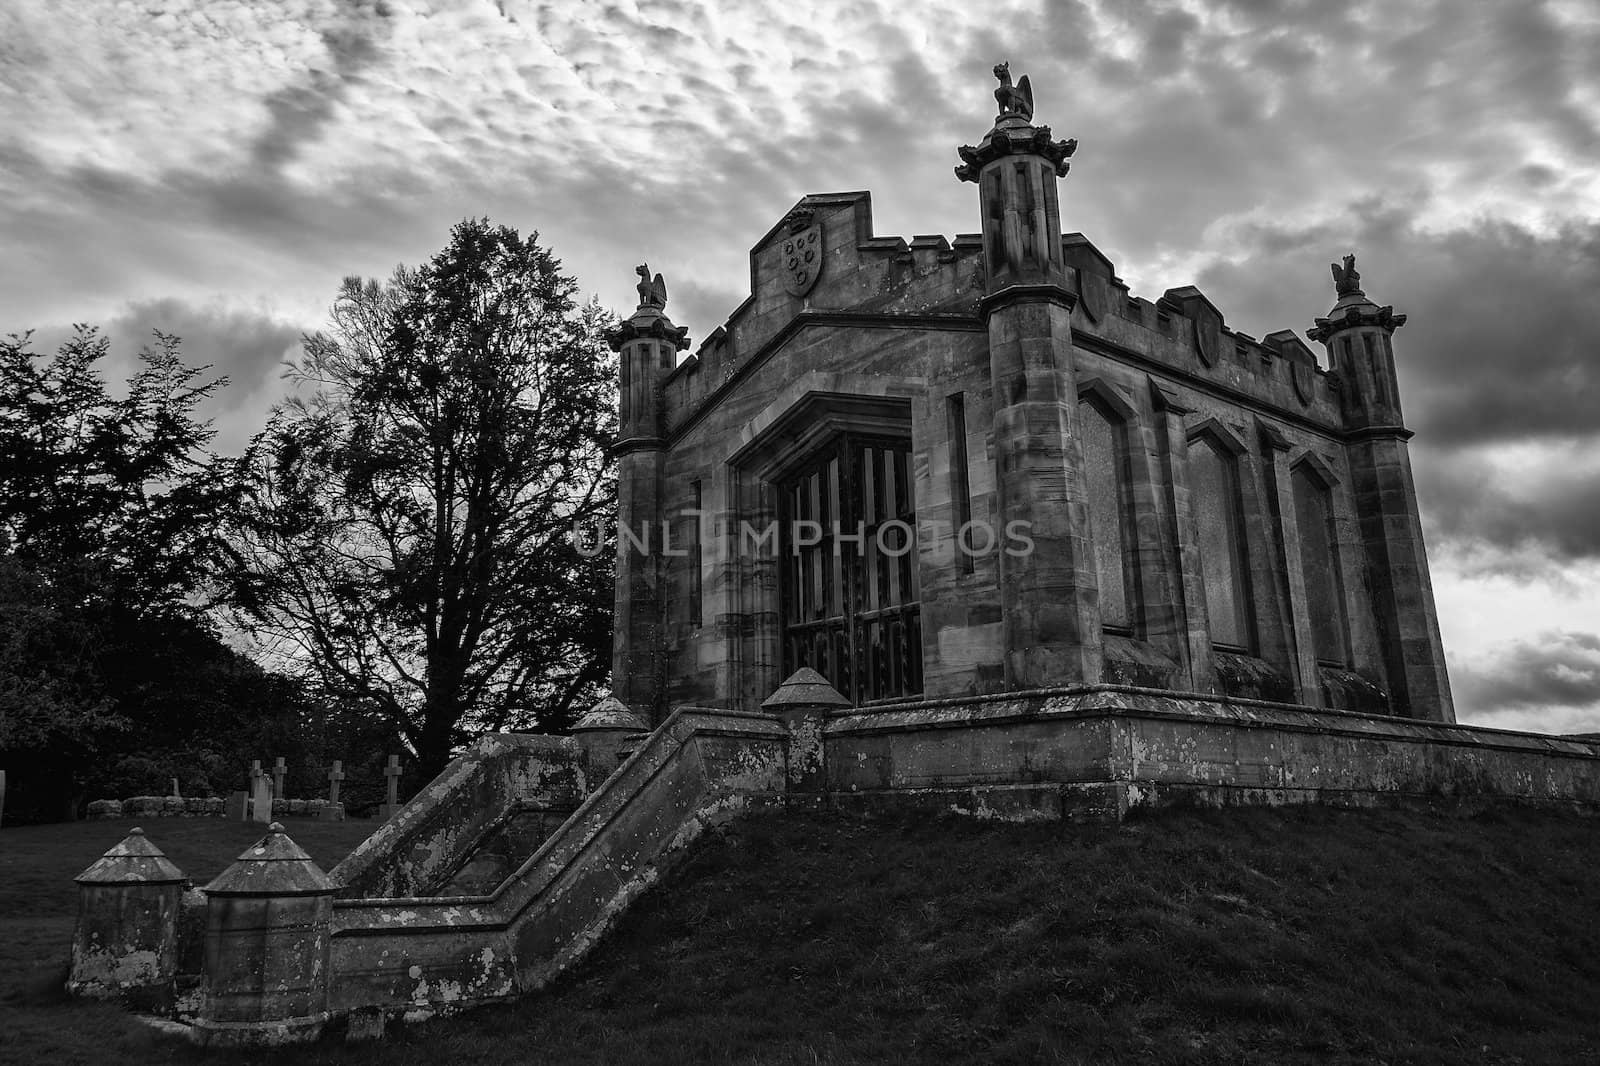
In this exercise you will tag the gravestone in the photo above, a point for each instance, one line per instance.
(261, 800)
(175, 794)
(392, 773)
(260, 793)
(238, 807)
(2, 797)
(333, 811)
(279, 771)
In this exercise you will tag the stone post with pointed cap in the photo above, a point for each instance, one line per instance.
(127, 934)
(1359, 336)
(603, 732)
(268, 939)
(802, 702)
(647, 346)
(1049, 592)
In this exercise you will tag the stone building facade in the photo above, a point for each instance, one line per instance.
(949, 468)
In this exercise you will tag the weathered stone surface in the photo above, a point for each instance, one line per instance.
(602, 733)
(415, 852)
(144, 806)
(983, 353)
(267, 948)
(1112, 750)
(427, 955)
(126, 936)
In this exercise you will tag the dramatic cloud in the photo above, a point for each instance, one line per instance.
(246, 347)
(1556, 669)
(1502, 325)
(1497, 362)
(177, 157)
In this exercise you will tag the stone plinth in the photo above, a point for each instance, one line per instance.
(802, 703)
(603, 732)
(267, 944)
(127, 933)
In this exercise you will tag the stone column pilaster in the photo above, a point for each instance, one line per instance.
(647, 345)
(1359, 336)
(1049, 588)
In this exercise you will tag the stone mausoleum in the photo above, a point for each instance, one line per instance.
(940, 525)
(949, 468)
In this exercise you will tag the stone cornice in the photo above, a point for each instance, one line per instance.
(659, 328)
(635, 444)
(1046, 292)
(1355, 436)
(1026, 140)
(1356, 315)
(1204, 384)
(936, 322)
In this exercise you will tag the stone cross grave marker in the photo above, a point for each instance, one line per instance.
(278, 772)
(260, 794)
(175, 793)
(392, 772)
(335, 776)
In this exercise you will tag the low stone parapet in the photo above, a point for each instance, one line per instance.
(417, 956)
(1103, 751)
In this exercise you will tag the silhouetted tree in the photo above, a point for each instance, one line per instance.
(408, 539)
(109, 533)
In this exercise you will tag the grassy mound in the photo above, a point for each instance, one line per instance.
(1245, 936)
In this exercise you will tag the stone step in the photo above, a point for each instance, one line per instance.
(507, 847)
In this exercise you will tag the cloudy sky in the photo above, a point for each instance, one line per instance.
(214, 167)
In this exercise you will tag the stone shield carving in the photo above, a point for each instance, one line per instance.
(1207, 340)
(802, 259)
(1305, 381)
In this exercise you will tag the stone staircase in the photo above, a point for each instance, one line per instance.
(510, 843)
(513, 862)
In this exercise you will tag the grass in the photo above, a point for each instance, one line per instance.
(1301, 936)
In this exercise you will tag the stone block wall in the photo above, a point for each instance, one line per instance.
(891, 341)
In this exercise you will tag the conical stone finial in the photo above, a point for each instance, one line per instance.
(136, 860)
(610, 713)
(804, 688)
(273, 866)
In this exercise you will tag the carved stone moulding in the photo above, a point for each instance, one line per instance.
(651, 329)
(1383, 317)
(1027, 140)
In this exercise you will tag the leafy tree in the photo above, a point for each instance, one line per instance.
(407, 542)
(109, 515)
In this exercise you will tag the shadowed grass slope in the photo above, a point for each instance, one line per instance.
(1245, 936)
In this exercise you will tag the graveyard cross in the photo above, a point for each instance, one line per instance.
(260, 802)
(392, 772)
(278, 771)
(335, 776)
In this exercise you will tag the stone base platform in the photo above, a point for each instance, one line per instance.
(1101, 752)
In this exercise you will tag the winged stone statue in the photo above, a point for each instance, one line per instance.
(1013, 99)
(1346, 279)
(651, 293)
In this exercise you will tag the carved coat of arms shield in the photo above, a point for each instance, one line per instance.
(1304, 376)
(801, 251)
(1208, 339)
